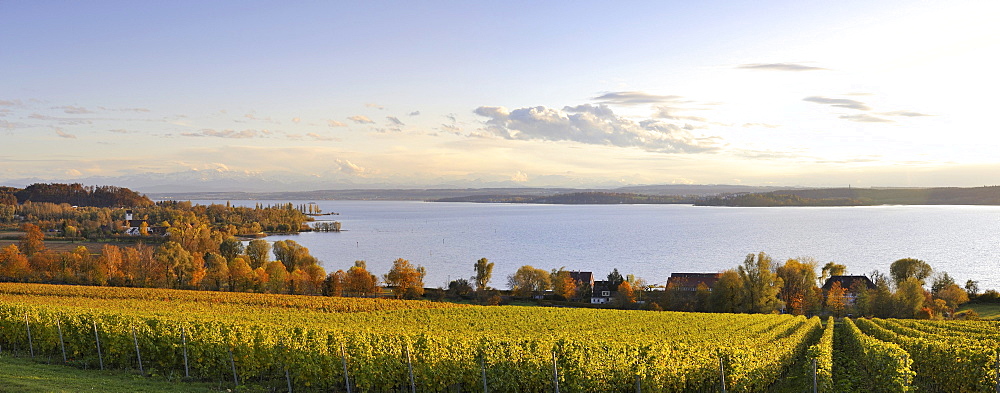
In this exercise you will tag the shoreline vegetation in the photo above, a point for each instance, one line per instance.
(989, 195)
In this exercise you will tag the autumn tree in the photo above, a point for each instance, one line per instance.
(728, 293)
(334, 283)
(905, 268)
(799, 283)
(953, 296)
(484, 272)
(408, 280)
(13, 264)
(216, 272)
(761, 285)
(112, 260)
(909, 297)
(178, 263)
(836, 299)
(831, 269)
(258, 252)
(563, 284)
(293, 255)
(625, 296)
(33, 240)
(277, 277)
(230, 248)
(241, 276)
(359, 282)
(527, 281)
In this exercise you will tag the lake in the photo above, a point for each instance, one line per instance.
(650, 241)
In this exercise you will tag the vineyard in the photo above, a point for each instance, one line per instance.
(300, 343)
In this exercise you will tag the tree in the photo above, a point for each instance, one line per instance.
(625, 295)
(954, 296)
(258, 252)
(909, 267)
(407, 279)
(277, 277)
(33, 240)
(484, 271)
(178, 263)
(761, 285)
(727, 293)
(862, 298)
(293, 255)
(563, 285)
(799, 280)
(832, 269)
(459, 288)
(13, 264)
(615, 279)
(972, 288)
(230, 248)
(217, 272)
(334, 283)
(836, 301)
(359, 282)
(527, 281)
(241, 276)
(909, 297)
(939, 281)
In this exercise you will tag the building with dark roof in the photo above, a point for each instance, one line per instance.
(689, 282)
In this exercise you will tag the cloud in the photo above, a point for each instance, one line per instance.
(11, 103)
(143, 110)
(319, 137)
(904, 113)
(6, 125)
(634, 98)
(839, 102)
(350, 168)
(334, 123)
(75, 110)
(765, 125)
(296, 120)
(664, 112)
(415, 113)
(233, 134)
(376, 106)
(63, 134)
(121, 131)
(361, 119)
(865, 118)
(451, 128)
(394, 121)
(519, 177)
(780, 67)
(589, 124)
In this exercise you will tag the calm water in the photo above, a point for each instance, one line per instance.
(651, 241)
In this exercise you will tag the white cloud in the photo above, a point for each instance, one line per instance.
(519, 177)
(781, 67)
(839, 102)
(334, 123)
(63, 134)
(394, 121)
(245, 134)
(590, 124)
(361, 119)
(634, 98)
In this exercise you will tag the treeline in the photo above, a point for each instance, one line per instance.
(760, 285)
(206, 263)
(74, 194)
(989, 195)
(179, 218)
(575, 198)
(775, 199)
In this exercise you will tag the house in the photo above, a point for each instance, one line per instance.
(134, 227)
(689, 282)
(603, 292)
(848, 282)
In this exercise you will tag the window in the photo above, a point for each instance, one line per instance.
(605, 293)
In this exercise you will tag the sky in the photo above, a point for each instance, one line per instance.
(326, 95)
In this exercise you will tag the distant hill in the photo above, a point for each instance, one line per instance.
(74, 194)
(577, 198)
(861, 197)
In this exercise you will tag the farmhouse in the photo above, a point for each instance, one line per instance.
(134, 227)
(848, 283)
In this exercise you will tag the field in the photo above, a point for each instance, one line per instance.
(30, 376)
(329, 344)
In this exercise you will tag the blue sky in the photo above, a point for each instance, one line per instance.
(413, 94)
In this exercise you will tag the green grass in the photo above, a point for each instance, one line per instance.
(989, 311)
(27, 375)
